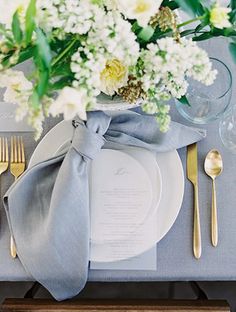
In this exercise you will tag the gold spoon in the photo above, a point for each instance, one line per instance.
(213, 167)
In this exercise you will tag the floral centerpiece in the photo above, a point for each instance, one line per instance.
(136, 49)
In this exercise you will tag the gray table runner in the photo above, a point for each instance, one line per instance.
(174, 252)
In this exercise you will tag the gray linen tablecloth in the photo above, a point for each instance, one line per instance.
(175, 260)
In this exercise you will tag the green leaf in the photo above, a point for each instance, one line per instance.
(146, 33)
(173, 5)
(26, 54)
(204, 36)
(43, 55)
(34, 100)
(204, 22)
(226, 32)
(63, 82)
(233, 16)
(192, 7)
(187, 32)
(233, 4)
(30, 21)
(61, 69)
(42, 60)
(232, 49)
(135, 27)
(184, 100)
(16, 28)
(42, 83)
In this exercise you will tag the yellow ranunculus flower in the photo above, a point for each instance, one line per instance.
(113, 76)
(219, 17)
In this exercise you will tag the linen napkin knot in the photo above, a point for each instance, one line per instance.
(86, 142)
(48, 207)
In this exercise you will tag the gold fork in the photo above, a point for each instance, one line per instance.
(4, 159)
(17, 167)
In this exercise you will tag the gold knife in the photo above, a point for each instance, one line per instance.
(192, 174)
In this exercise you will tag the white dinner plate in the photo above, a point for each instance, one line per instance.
(172, 185)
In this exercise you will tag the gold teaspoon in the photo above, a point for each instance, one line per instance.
(213, 167)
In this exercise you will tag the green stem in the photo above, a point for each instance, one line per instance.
(191, 21)
(63, 53)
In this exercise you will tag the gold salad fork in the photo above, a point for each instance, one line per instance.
(4, 159)
(17, 167)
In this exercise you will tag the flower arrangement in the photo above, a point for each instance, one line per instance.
(136, 49)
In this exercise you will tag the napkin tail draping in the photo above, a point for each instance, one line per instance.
(48, 207)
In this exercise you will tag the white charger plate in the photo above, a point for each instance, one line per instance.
(171, 197)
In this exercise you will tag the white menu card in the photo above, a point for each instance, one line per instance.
(125, 194)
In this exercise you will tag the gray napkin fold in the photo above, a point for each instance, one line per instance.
(48, 207)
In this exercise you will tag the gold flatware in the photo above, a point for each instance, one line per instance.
(4, 158)
(17, 167)
(213, 167)
(192, 174)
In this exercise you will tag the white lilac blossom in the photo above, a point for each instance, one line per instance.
(166, 64)
(68, 16)
(87, 66)
(18, 91)
(113, 35)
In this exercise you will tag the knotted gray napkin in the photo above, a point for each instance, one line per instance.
(48, 207)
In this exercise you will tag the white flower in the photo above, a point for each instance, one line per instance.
(18, 91)
(67, 16)
(141, 10)
(70, 102)
(113, 77)
(113, 37)
(165, 66)
(110, 38)
(8, 8)
(167, 63)
(35, 119)
(18, 88)
(111, 4)
(219, 16)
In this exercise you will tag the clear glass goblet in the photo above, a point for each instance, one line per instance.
(208, 103)
(227, 129)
